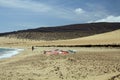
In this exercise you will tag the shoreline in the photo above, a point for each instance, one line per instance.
(12, 52)
(23, 50)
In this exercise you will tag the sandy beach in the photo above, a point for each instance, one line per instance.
(86, 64)
(59, 39)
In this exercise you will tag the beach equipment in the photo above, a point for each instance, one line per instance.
(57, 51)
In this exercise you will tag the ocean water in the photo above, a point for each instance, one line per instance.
(8, 52)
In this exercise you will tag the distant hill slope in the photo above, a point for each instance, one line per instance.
(63, 32)
(112, 37)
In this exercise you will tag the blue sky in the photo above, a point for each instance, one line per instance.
(25, 14)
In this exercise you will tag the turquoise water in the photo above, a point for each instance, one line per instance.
(7, 52)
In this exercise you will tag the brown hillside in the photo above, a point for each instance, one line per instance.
(63, 32)
(112, 37)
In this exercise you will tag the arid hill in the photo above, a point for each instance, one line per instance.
(111, 38)
(63, 32)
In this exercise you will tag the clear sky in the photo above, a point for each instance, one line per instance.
(25, 14)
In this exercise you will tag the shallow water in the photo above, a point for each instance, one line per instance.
(8, 52)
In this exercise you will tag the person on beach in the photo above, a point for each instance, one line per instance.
(32, 48)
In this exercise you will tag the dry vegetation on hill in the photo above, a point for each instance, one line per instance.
(109, 38)
(63, 32)
(100, 39)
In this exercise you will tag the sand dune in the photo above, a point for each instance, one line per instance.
(110, 37)
(105, 38)
(100, 39)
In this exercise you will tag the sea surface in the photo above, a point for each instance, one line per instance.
(8, 52)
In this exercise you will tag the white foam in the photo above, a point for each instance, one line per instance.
(10, 53)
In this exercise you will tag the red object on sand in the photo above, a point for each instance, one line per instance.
(56, 52)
